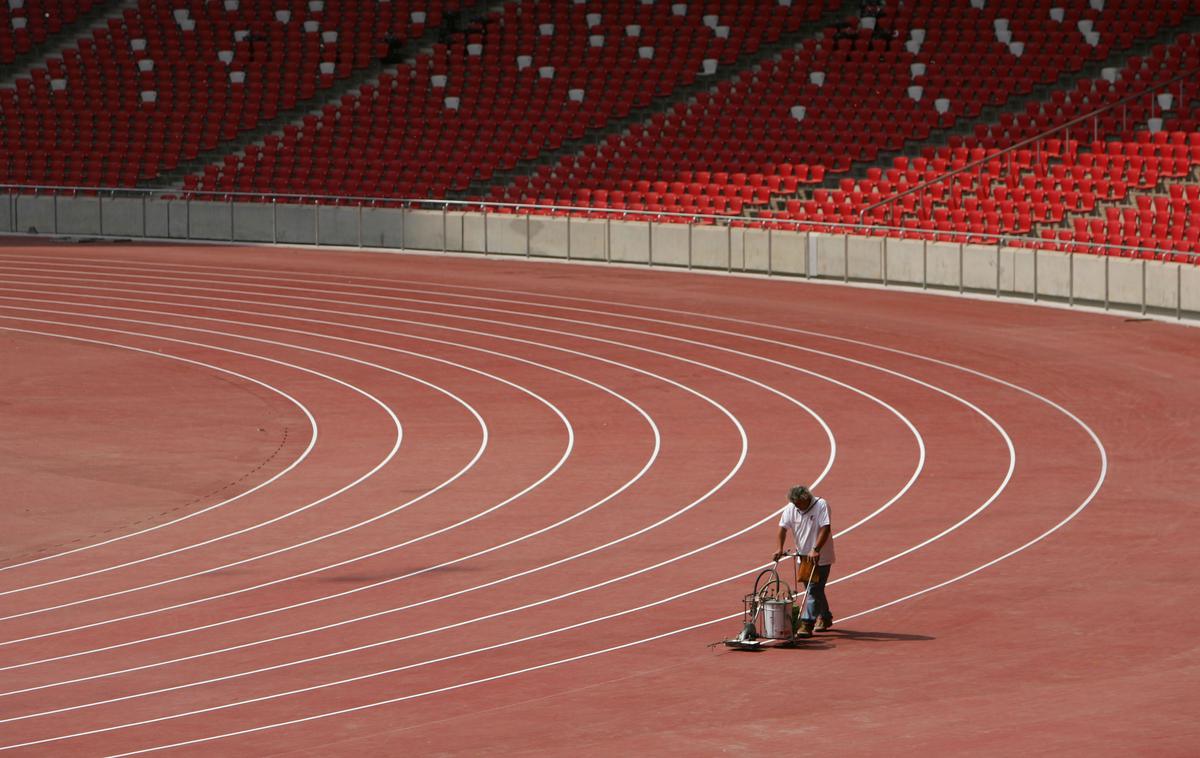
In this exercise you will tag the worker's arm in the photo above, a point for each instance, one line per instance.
(782, 536)
(822, 538)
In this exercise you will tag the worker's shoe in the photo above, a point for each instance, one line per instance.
(804, 629)
(823, 624)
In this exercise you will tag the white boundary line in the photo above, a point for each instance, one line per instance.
(300, 458)
(1101, 448)
(573, 593)
(733, 419)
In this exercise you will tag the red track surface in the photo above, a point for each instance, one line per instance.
(265, 502)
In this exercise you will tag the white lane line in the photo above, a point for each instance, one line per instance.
(594, 653)
(392, 452)
(312, 425)
(651, 459)
(900, 416)
(421, 634)
(716, 405)
(453, 656)
(912, 429)
(489, 321)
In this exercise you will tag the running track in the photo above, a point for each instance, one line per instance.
(269, 502)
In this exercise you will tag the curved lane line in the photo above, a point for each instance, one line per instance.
(741, 459)
(312, 425)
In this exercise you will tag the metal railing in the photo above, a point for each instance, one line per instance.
(1036, 140)
(668, 239)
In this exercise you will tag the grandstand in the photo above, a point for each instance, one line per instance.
(406, 377)
(1065, 125)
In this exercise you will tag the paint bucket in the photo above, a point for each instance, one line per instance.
(777, 619)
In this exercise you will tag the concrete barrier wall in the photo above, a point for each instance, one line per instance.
(338, 225)
(905, 261)
(124, 216)
(980, 266)
(826, 255)
(80, 216)
(864, 258)
(587, 239)
(943, 264)
(383, 227)
(1090, 279)
(629, 242)
(768, 251)
(670, 244)
(425, 229)
(1125, 281)
(211, 221)
(506, 234)
(548, 236)
(254, 222)
(1087, 279)
(35, 214)
(1053, 273)
(711, 246)
(1189, 286)
(788, 252)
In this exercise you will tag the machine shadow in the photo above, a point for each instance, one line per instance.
(854, 635)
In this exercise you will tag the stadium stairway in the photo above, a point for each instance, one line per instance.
(1017, 104)
(660, 105)
(65, 36)
(406, 53)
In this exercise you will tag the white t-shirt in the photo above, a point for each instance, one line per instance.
(804, 526)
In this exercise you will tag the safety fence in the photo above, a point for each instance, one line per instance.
(1141, 280)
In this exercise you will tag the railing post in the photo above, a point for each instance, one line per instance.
(144, 227)
(649, 243)
(232, 234)
(924, 263)
(485, 231)
(809, 255)
(1178, 292)
(608, 238)
(845, 255)
(445, 229)
(1071, 278)
(317, 222)
(770, 253)
(729, 247)
(1035, 273)
(274, 221)
(528, 233)
(569, 214)
(360, 234)
(187, 217)
(960, 267)
(691, 225)
(998, 243)
(55, 198)
(99, 208)
(884, 264)
(1107, 256)
(1143, 286)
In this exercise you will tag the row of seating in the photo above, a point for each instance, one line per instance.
(196, 72)
(550, 71)
(1053, 182)
(27, 23)
(826, 103)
